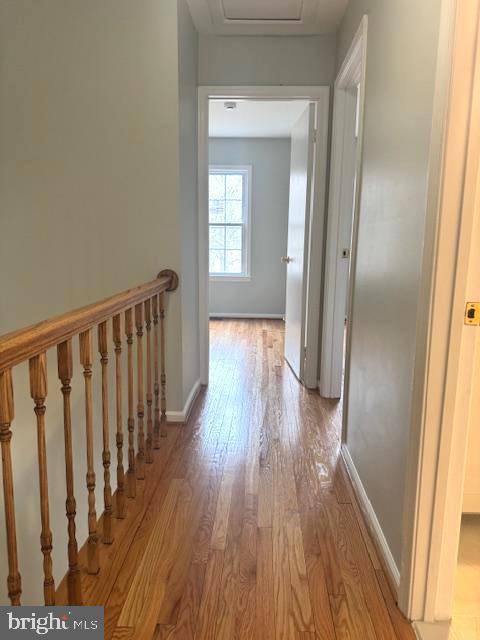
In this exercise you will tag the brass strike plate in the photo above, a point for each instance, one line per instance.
(472, 314)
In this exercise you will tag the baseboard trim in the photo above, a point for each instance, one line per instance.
(393, 574)
(260, 316)
(182, 416)
(432, 631)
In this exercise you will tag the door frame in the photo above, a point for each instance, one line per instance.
(321, 96)
(352, 73)
(445, 349)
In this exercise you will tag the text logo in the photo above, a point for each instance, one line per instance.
(61, 622)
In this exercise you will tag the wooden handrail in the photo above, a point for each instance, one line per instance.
(19, 346)
(137, 307)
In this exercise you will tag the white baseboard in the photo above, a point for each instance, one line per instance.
(182, 416)
(432, 631)
(266, 316)
(373, 523)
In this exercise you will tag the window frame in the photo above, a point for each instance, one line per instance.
(246, 171)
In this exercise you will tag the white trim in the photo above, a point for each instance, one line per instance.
(220, 278)
(314, 261)
(182, 416)
(320, 95)
(346, 164)
(267, 316)
(445, 348)
(429, 631)
(246, 170)
(372, 520)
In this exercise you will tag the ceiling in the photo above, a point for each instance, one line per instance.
(254, 119)
(267, 17)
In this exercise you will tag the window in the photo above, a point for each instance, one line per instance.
(229, 220)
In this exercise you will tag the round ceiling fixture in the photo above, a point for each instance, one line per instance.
(230, 106)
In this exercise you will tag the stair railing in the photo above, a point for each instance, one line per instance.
(140, 306)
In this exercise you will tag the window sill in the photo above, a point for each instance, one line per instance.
(229, 278)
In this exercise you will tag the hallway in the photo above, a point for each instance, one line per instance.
(247, 526)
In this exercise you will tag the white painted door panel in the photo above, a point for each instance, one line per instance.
(339, 236)
(471, 491)
(301, 168)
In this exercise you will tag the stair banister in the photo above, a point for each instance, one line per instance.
(136, 307)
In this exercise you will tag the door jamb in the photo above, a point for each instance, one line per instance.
(352, 73)
(445, 348)
(318, 94)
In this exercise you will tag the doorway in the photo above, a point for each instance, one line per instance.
(230, 275)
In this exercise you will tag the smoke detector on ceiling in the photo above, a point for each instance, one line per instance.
(230, 106)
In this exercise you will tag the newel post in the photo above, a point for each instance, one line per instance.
(165, 273)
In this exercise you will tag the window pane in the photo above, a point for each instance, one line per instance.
(234, 212)
(233, 238)
(216, 189)
(233, 261)
(234, 187)
(217, 211)
(217, 238)
(217, 261)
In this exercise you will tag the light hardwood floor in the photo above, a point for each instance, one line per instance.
(246, 525)
(466, 608)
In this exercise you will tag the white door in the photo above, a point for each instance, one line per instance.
(301, 171)
(339, 240)
(471, 490)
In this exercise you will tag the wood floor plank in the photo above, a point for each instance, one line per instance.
(302, 608)
(265, 609)
(220, 525)
(370, 587)
(403, 628)
(177, 577)
(207, 618)
(355, 600)
(186, 622)
(139, 592)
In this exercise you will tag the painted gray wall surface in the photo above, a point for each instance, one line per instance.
(270, 160)
(401, 57)
(188, 67)
(267, 60)
(89, 195)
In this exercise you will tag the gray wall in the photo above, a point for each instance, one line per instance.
(89, 201)
(402, 47)
(267, 60)
(270, 160)
(188, 67)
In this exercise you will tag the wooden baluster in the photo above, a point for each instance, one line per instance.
(140, 405)
(107, 489)
(38, 391)
(148, 324)
(156, 386)
(131, 420)
(117, 340)
(14, 580)
(86, 359)
(65, 373)
(163, 378)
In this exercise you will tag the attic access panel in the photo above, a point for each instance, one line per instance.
(271, 10)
